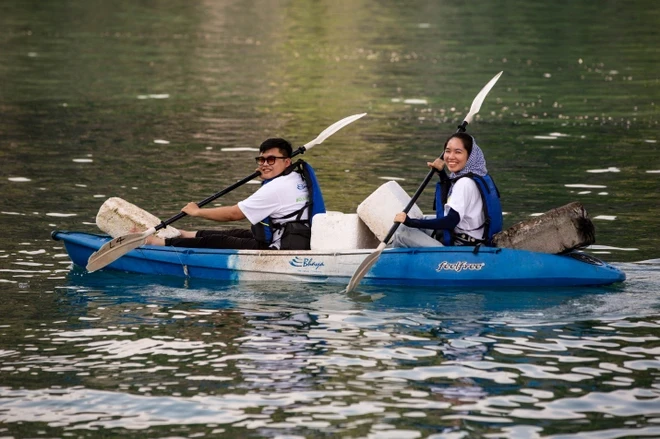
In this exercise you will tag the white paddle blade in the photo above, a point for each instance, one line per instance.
(116, 248)
(364, 268)
(333, 129)
(479, 99)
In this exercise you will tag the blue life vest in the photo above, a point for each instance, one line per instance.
(490, 197)
(263, 231)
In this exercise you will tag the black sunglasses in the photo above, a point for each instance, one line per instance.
(270, 159)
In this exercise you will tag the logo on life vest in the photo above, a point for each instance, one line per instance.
(306, 262)
(459, 266)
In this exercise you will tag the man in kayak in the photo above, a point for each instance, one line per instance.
(278, 210)
(467, 203)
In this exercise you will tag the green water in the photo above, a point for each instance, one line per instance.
(99, 81)
(138, 99)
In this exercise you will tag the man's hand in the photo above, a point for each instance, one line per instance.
(191, 209)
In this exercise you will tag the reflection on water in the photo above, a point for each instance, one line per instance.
(260, 361)
(148, 356)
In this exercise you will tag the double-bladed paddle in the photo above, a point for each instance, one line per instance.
(370, 260)
(117, 247)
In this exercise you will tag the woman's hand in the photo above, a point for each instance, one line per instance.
(437, 164)
(400, 217)
(191, 209)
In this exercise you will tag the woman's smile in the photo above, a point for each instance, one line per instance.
(455, 155)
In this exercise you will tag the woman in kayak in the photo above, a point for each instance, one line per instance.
(468, 209)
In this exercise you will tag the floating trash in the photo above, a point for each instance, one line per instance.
(61, 215)
(239, 148)
(607, 247)
(415, 101)
(605, 217)
(34, 252)
(411, 101)
(586, 186)
(18, 179)
(610, 169)
(154, 96)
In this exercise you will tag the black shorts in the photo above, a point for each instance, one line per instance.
(238, 239)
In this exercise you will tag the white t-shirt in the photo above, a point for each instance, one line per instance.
(465, 199)
(276, 199)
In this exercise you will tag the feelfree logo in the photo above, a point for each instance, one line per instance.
(299, 262)
(459, 266)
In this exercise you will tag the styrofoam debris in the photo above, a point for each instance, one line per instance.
(117, 217)
(378, 209)
(341, 231)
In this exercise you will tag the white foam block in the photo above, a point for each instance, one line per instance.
(117, 217)
(378, 209)
(341, 231)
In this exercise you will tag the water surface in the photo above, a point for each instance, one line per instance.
(161, 104)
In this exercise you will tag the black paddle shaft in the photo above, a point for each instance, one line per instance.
(215, 196)
(420, 189)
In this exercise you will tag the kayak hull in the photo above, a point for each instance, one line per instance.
(429, 266)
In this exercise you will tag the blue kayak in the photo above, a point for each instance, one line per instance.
(429, 266)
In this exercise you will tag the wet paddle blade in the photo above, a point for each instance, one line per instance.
(113, 250)
(333, 129)
(479, 99)
(364, 268)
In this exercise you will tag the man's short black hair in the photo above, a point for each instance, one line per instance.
(283, 145)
